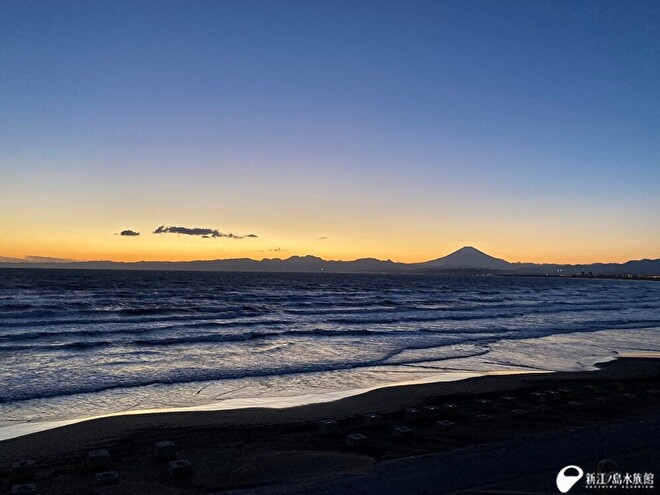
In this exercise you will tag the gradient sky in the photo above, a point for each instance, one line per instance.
(402, 130)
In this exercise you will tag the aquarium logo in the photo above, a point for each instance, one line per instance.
(566, 481)
(615, 480)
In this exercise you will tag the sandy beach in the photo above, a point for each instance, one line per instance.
(282, 450)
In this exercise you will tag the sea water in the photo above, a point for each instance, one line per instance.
(81, 343)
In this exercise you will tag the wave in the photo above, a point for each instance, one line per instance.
(463, 316)
(195, 339)
(463, 335)
(70, 389)
(114, 318)
(87, 323)
(135, 330)
(71, 346)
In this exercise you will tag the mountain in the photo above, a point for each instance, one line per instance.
(294, 264)
(467, 260)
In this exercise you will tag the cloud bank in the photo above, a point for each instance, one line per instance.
(201, 232)
(129, 233)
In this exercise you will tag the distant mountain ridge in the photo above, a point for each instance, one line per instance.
(467, 260)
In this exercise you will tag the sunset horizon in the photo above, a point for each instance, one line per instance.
(386, 247)
(337, 131)
(280, 253)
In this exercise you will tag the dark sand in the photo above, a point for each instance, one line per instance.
(282, 451)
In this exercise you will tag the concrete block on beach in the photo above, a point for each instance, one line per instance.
(445, 424)
(519, 413)
(24, 489)
(107, 478)
(486, 405)
(165, 450)
(329, 427)
(98, 459)
(432, 412)
(404, 432)
(356, 440)
(413, 414)
(537, 397)
(23, 470)
(552, 395)
(372, 420)
(483, 418)
(180, 468)
(451, 411)
(509, 400)
(543, 410)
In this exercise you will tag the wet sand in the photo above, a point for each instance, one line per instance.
(282, 451)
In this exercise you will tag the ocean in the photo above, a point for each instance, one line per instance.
(84, 343)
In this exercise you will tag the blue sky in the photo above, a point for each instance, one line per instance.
(530, 129)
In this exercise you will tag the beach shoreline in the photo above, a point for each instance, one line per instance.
(274, 402)
(576, 351)
(213, 435)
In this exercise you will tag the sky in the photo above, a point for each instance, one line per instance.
(391, 129)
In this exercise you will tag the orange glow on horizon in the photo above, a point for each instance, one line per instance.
(172, 254)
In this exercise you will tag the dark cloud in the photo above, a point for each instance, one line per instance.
(204, 233)
(322, 238)
(129, 233)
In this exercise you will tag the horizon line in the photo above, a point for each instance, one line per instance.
(62, 261)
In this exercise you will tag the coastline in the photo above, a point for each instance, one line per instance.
(275, 402)
(562, 352)
(132, 436)
(315, 407)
